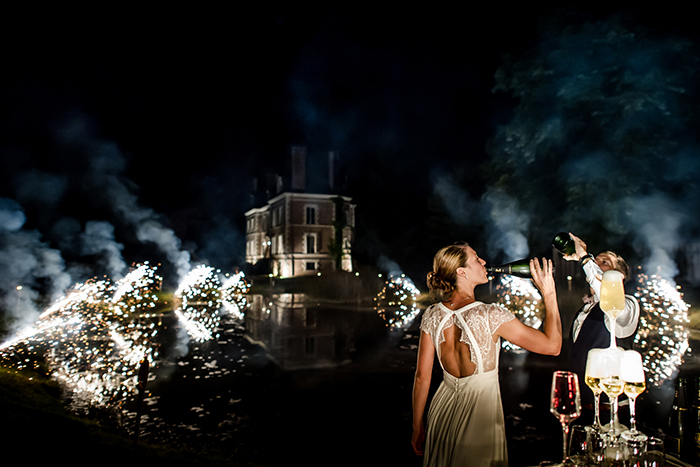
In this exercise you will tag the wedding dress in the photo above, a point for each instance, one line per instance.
(465, 419)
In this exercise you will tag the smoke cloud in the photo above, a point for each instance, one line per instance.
(602, 143)
(28, 266)
(89, 186)
(507, 225)
(98, 239)
(391, 267)
(105, 179)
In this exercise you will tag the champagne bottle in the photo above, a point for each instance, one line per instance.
(564, 243)
(678, 422)
(696, 421)
(520, 268)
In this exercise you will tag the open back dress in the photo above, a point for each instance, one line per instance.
(465, 419)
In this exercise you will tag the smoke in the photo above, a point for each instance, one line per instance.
(601, 143)
(152, 231)
(27, 266)
(40, 188)
(89, 184)
(658, 237)
(98, 239)
(219, 243)
(12, 217)
(456, 201)
(506, 223)
(391, 267)
(105, 180)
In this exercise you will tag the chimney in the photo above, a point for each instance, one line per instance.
(331, 169)
(298, 168)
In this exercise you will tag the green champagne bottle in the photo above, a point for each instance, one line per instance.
(695, 420)
(564, 243)
(679, 428)
(520, 268)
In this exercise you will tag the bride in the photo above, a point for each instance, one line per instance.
(465, 422)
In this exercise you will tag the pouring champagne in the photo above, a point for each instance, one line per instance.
(612, 299)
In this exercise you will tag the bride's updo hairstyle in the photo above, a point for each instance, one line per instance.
(442, 280)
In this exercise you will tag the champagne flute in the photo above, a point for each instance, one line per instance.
(565, 404)
(611, 383)
(612, 299)
(632, 373)
(594, 370)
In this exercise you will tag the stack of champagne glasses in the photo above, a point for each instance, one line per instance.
(614, 371)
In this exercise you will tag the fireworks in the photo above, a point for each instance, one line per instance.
(396, 303)
(233, 295)
(94, 336)
(199, 298)
(662, 338)
(522, 299)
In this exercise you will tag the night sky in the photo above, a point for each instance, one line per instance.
(128, 128)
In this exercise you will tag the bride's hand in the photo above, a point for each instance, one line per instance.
(418, 441)
(543, 276)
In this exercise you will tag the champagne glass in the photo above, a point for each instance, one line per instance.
(594, 371)
(612, 299)
(611, 383)
(579, 444)
(656, 454)
(565, 404)
(632, 373)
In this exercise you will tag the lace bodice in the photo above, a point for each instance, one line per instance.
(481, 321)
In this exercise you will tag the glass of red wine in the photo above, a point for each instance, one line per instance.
(565, 404)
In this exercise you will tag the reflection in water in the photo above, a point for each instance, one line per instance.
(299, 333)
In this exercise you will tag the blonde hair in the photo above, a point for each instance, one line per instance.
(620, 264)
(442, 280)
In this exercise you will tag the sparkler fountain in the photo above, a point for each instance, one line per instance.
(520, 297)
(233, 293)
(396, 303)
(198, 299)
(663, 333)
(95, 336)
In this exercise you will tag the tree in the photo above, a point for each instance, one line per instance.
(603, 139)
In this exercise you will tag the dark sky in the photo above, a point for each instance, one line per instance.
(189, 104)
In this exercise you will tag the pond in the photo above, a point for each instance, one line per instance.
(300, 381)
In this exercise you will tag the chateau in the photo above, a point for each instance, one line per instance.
(299, 232)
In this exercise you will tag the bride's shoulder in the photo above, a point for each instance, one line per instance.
(490, 308)
(498, 312)
(434, 308)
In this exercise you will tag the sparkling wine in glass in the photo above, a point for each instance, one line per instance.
(632, 373)
(611, 383)
(594, 371)
(612, 299)
(565, 404)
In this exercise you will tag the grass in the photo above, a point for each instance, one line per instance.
(38, 427)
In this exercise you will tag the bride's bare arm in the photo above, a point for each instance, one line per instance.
(549, 341)
(421, 386)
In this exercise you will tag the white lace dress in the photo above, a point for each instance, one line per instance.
(465, 419)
